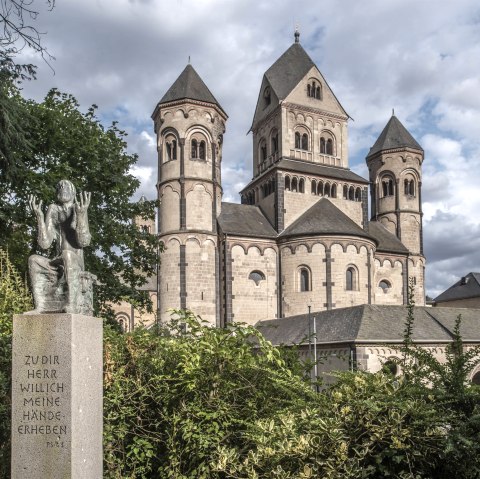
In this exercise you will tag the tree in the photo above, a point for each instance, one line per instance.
(17, 32)
(62, 142)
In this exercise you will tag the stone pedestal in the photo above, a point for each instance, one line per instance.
(57, 397)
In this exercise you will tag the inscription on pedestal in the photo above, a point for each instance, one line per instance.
(41, 396)
(57, 397)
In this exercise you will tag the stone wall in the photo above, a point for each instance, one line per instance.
(253, 301)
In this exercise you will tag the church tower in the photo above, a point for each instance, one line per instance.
(395, 169)
(189, 124)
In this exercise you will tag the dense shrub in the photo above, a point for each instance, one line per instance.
(200, 402)
(14, 298)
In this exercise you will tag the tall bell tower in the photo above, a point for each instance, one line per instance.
(189, 124)
(395, 169)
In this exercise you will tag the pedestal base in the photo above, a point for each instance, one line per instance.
(57, 397)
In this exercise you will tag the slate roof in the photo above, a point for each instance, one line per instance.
(326, 219)
(245, 220)
(394, 135)
(387, 242)
(373, 324)
(189, 85)
(285, 74)
(466, 287)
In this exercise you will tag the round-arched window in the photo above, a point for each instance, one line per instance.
(256, 276)
(390, 367)
(476, 378)
(385, 285)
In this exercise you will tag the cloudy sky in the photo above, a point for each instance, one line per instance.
(421, 57)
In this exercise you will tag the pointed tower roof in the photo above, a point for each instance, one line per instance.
(285, 74)
(394, 135)
(189, 85)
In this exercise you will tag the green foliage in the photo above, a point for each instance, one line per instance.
(200, 402)
(53, 140)
(174, 401)
(14, 298)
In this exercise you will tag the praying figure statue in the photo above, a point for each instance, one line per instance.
(61, 284)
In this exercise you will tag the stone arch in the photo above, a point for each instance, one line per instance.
(328, 143)
(389, 224)
(199, 208)
(169, 209)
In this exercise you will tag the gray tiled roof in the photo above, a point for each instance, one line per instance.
(326, 219)
(245, 220)
(387, 242)
(394, 135)
(470, 289)
(320, 170)
(285, 74)
(373, 323)
(189, 85)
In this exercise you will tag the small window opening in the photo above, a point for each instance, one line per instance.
(304, 280)
(194, 148)
(385, 285)
(314, 187)
(351, 279)
(267, 96)
(297, 140)
(256, 276)
(304, 141)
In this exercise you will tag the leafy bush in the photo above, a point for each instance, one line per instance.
(14, 298)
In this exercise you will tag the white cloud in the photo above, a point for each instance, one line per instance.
(420, 58)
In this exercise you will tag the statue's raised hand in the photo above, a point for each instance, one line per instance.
(82, 202)
(35, 206)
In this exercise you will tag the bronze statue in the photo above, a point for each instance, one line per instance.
(61, 284)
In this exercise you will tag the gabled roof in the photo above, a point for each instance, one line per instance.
(190, 86)
(387, 242)
(245, 220)
(285, 74)
(466, 287)
(324, 218)
(394, 135)
(373, 324)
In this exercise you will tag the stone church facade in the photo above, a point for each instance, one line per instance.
(302, 235)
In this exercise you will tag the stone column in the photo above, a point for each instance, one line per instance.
(57, 397)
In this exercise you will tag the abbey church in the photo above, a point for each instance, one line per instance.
(303, 234)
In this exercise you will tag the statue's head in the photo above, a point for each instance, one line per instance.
(65, 191)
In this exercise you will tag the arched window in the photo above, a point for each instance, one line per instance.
(194, 148)
(297, 140)
(294, 184)
(351, 193)
(267, 96)
(326, 191)
(304, 141)
(301, 185)
(201, 150)
(476, 378)
(256, 276)
(329, 147)
(333, 191)
(287, 183)
(351, 279)
(387, 186)
(323, 145)
(304, 279)
(320, 188)
(314, 90)
(274, 143)
(314, 187)
(345, 192)
(385, 285)
(390, 367)
(145, 228)
(170, 148)
(358, 195)
(409, 186)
